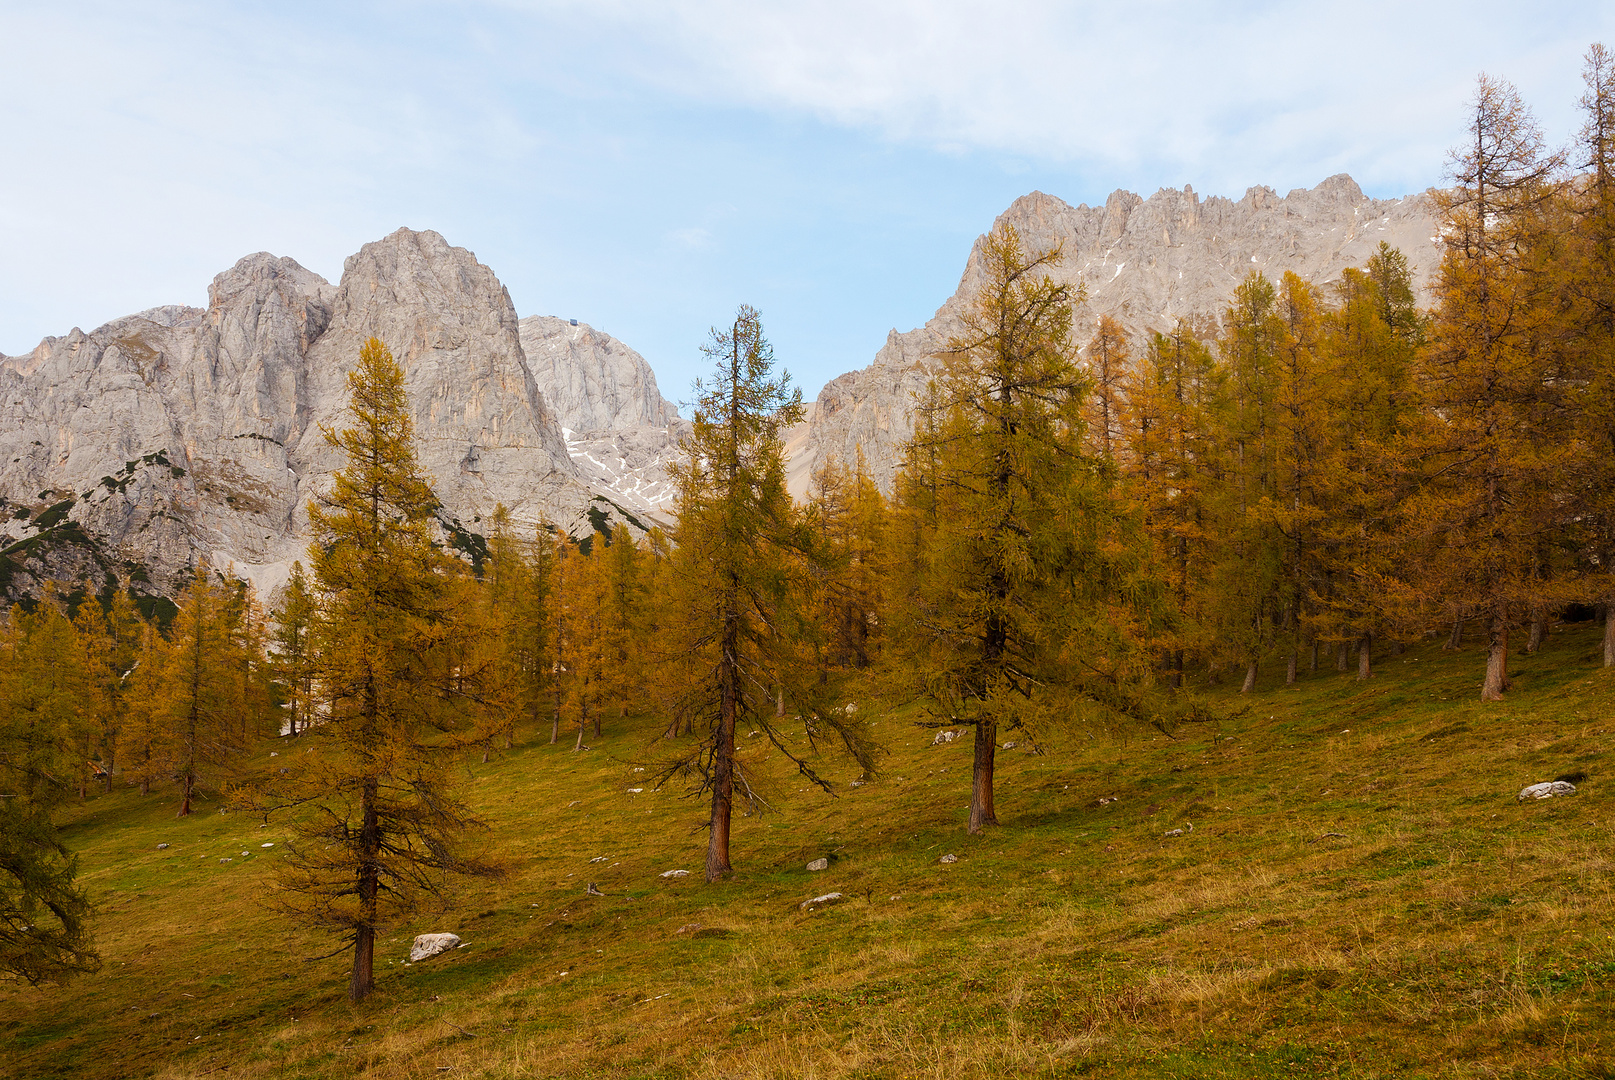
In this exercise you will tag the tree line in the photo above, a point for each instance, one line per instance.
(1074, 533)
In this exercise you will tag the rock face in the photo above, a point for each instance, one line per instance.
(1146, 263)
(180, 432)
(619, 430)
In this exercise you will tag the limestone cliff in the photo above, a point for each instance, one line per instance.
(180, 433)
(619, 429)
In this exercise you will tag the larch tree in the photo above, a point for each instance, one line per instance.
(1031, 588)
(1248, 573)
(1168, 473)
(1109, 360)
(293, 640)
(44, 931)
(205, 700)
(1371, 339)
(1586, 284)
(1493, 433)
(379, 827)
(731, 622)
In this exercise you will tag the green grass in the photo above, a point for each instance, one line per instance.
(1360, 896)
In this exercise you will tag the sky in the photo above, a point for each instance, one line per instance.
(646, 166)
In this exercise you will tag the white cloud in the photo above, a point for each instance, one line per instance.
(1203, 90)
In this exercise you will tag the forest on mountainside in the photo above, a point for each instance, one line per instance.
(1083, 532)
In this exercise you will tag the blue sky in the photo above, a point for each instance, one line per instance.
(648, 166)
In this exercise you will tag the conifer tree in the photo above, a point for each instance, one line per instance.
(1372, 336)
(731, 626)
(205, 690)
(1109, 356)
(1031, 587)
(1586, 283)
(1248, 573)
(1169, 472)
(44, 934)
(294, 649)
(382, 826)
(148, 750)
(1493, 431)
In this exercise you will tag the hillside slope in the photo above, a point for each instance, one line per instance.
(1359, 895)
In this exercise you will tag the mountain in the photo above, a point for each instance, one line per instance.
(1146, 263)
(182, 432)
(617, 426)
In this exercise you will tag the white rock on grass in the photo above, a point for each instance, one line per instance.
(675, 873)
(819, 864)
(427, 946)
(949, 858)
(821, 901)
(162, 847)
(1548, 789)
(944, 737)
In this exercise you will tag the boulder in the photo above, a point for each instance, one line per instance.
(427, 946)
(949, 858)
(821, 901)
(944, 737)
(162, 847)
(819, 864)
(675, 873)
(1548, 789)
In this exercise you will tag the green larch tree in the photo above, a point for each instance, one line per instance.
(731, 620)
(380, 826)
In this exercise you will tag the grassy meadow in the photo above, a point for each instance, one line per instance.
(1360, 895)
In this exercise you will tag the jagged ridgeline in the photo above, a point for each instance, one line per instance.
(1147, 264)
(129, 452)
(555, 419)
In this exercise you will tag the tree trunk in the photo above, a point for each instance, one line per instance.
(187, 785)
(1365, 655)
(1250, 679)
(723, 765)
(1457, 637)
(1312, 664)
(583, 722)
(1609, 634)
(981, 777)
(779, 701)
(362, 979)
(368, 888)
(1177, 669)
(1539, 630)
(1290, 666)
(1340, 656)
(1496, 661)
